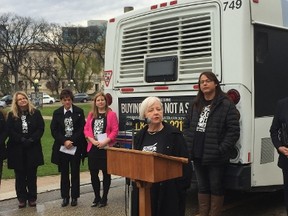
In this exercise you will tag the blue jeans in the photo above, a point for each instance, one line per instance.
(210, 178)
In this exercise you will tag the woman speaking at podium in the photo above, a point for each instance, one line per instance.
(167, 197)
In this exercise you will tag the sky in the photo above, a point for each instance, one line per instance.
(72, 12)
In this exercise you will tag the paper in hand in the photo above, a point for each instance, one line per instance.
(70, 151)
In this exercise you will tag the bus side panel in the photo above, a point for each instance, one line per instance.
(264, 168)
(270, 80)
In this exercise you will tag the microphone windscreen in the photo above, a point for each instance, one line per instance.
(148, 120)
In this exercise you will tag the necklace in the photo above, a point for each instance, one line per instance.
(101, 115)
(152, 132)
(156, 131)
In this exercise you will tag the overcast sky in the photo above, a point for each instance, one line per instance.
(75, 12)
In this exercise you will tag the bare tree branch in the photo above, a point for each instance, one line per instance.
(18, 36)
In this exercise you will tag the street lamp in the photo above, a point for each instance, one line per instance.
(71, 84)
(38, 97)
(36, 85)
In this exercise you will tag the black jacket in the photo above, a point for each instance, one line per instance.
(17, 150)
(3, 136)
(221, 134)
(171, 190)
(280, 118)
(58, 132)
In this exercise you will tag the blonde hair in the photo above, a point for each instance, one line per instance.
(15, 108)
(149, 101)
(95, 110)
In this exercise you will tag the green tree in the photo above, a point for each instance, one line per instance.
(88, 67)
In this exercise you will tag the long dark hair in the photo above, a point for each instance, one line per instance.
(199, 100)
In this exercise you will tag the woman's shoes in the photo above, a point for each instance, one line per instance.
(65, 202)
(102, 204)
(22, 204)
(95, 203)
(32, 203)
(74, 202)
(99, 203)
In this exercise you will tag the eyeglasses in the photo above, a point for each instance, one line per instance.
(205, 81)
(20, 99)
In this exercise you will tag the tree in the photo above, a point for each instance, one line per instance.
(68, 44)
(86, 70)
(97, 42)
(41, 62)
(18, 35)
(4, 82)
(72, 45)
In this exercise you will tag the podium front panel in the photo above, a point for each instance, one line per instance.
(142, 166)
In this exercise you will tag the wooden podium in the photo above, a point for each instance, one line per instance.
(145, 168)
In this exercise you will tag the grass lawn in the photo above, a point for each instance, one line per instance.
(47, 141)
(47, 110)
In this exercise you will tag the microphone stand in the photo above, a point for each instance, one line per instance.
(129, 180)
(130, 187)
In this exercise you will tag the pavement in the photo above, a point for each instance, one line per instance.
(49, 199)
(44, 184)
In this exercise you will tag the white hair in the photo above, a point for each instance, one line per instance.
(146, 103)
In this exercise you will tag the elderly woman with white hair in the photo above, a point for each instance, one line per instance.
(167, 197)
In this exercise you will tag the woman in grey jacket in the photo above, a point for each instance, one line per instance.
(211, 130)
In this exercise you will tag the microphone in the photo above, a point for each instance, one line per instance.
(133, 121)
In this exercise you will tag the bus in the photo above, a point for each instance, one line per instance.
(161, 50)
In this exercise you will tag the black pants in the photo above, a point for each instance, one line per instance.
(210, 178)
(26, 184)
(96, 184)
(285, 179)
(72, 161)
(1, 169)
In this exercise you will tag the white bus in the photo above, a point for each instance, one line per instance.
(161, 50)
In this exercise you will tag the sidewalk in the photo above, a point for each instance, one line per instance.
(44, 184)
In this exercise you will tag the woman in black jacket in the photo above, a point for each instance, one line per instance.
(3, 136)
(69, 144)
(167, 197)
(211, 130)
(25, 127)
